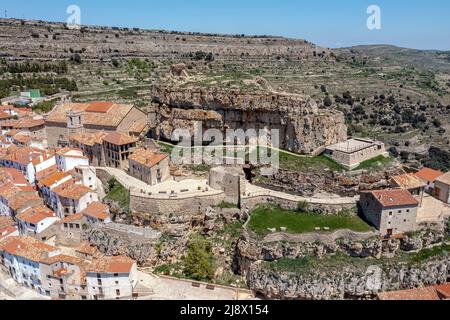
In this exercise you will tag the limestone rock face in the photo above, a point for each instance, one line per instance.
(302, 127)
(345, 283)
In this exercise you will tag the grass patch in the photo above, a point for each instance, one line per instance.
(376, 162)
(265, 217)
(119, 194)
(299, 163)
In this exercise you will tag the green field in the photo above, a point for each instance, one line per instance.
(271, 217)
(374, 163)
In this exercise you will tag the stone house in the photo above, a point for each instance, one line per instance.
(351, 153)
(148, 166)
(117, 149)
(69, 230)
(76, 118)
(442, 188)
(92, 146)
(231, 180)
(392, 212)
(63, 277)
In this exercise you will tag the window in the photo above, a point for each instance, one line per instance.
(116, 274)
(99, 282)
(117, 292)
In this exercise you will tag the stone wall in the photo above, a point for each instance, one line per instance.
(331, 208)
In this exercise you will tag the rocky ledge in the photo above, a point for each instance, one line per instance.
(302, 127)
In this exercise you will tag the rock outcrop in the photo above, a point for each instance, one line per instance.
(346, 283)
(347, 280)
(344, 184)
(302, 127)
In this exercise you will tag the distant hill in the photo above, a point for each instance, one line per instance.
(391, 55)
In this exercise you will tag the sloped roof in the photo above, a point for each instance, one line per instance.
(395, 198)
(429, 175)
(147, 157)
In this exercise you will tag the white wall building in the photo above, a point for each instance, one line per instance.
(112, 278)
(68, 158)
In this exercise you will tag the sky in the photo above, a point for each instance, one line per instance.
(418, 24)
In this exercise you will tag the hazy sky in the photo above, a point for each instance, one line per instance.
(332, 23)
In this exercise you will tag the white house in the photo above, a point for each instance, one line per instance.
(29, 161)
(73, 198)
(49, 183)
(20, 257)
(35, 222)
(87, 175)
(69, 158)
(112, 278)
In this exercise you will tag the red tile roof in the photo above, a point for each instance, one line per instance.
(117, 264)
(97, 210)
(72, 218)
(119, 139)
(6, 221)
(53, 178)
(147, 158)
(429, 175)
(444, 290)
(445, 178)
(27, 248)
(36, 215)
(394, 198)
(409, 181)
(426, 294)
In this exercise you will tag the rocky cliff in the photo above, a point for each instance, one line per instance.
(303, 128)
(342, 268)
(345, 283)
(344, 184)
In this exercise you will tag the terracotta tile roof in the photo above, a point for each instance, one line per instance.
(97, 210)
(22, 138)
(24, 155)
(72, 218)
(4, 115)
(95, 114)
(23, 200)
(147, 158)
(444, 290)
(88, 139)
(28, 123)
(444, 179)
(26, 247)
(72, 191)
(9, 191)
(6, 221)
(71, 153)
(13, 175)
(408, 181)
(428, 293)
(137, 127)
(36, 215)
(46, 172)
(117, 264)
(53, 178)
(429, 175)
(5, 232)
(119, 139)
(394, 198)
(100, 107)
(63, 258)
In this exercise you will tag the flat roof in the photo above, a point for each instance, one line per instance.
(352, 145)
